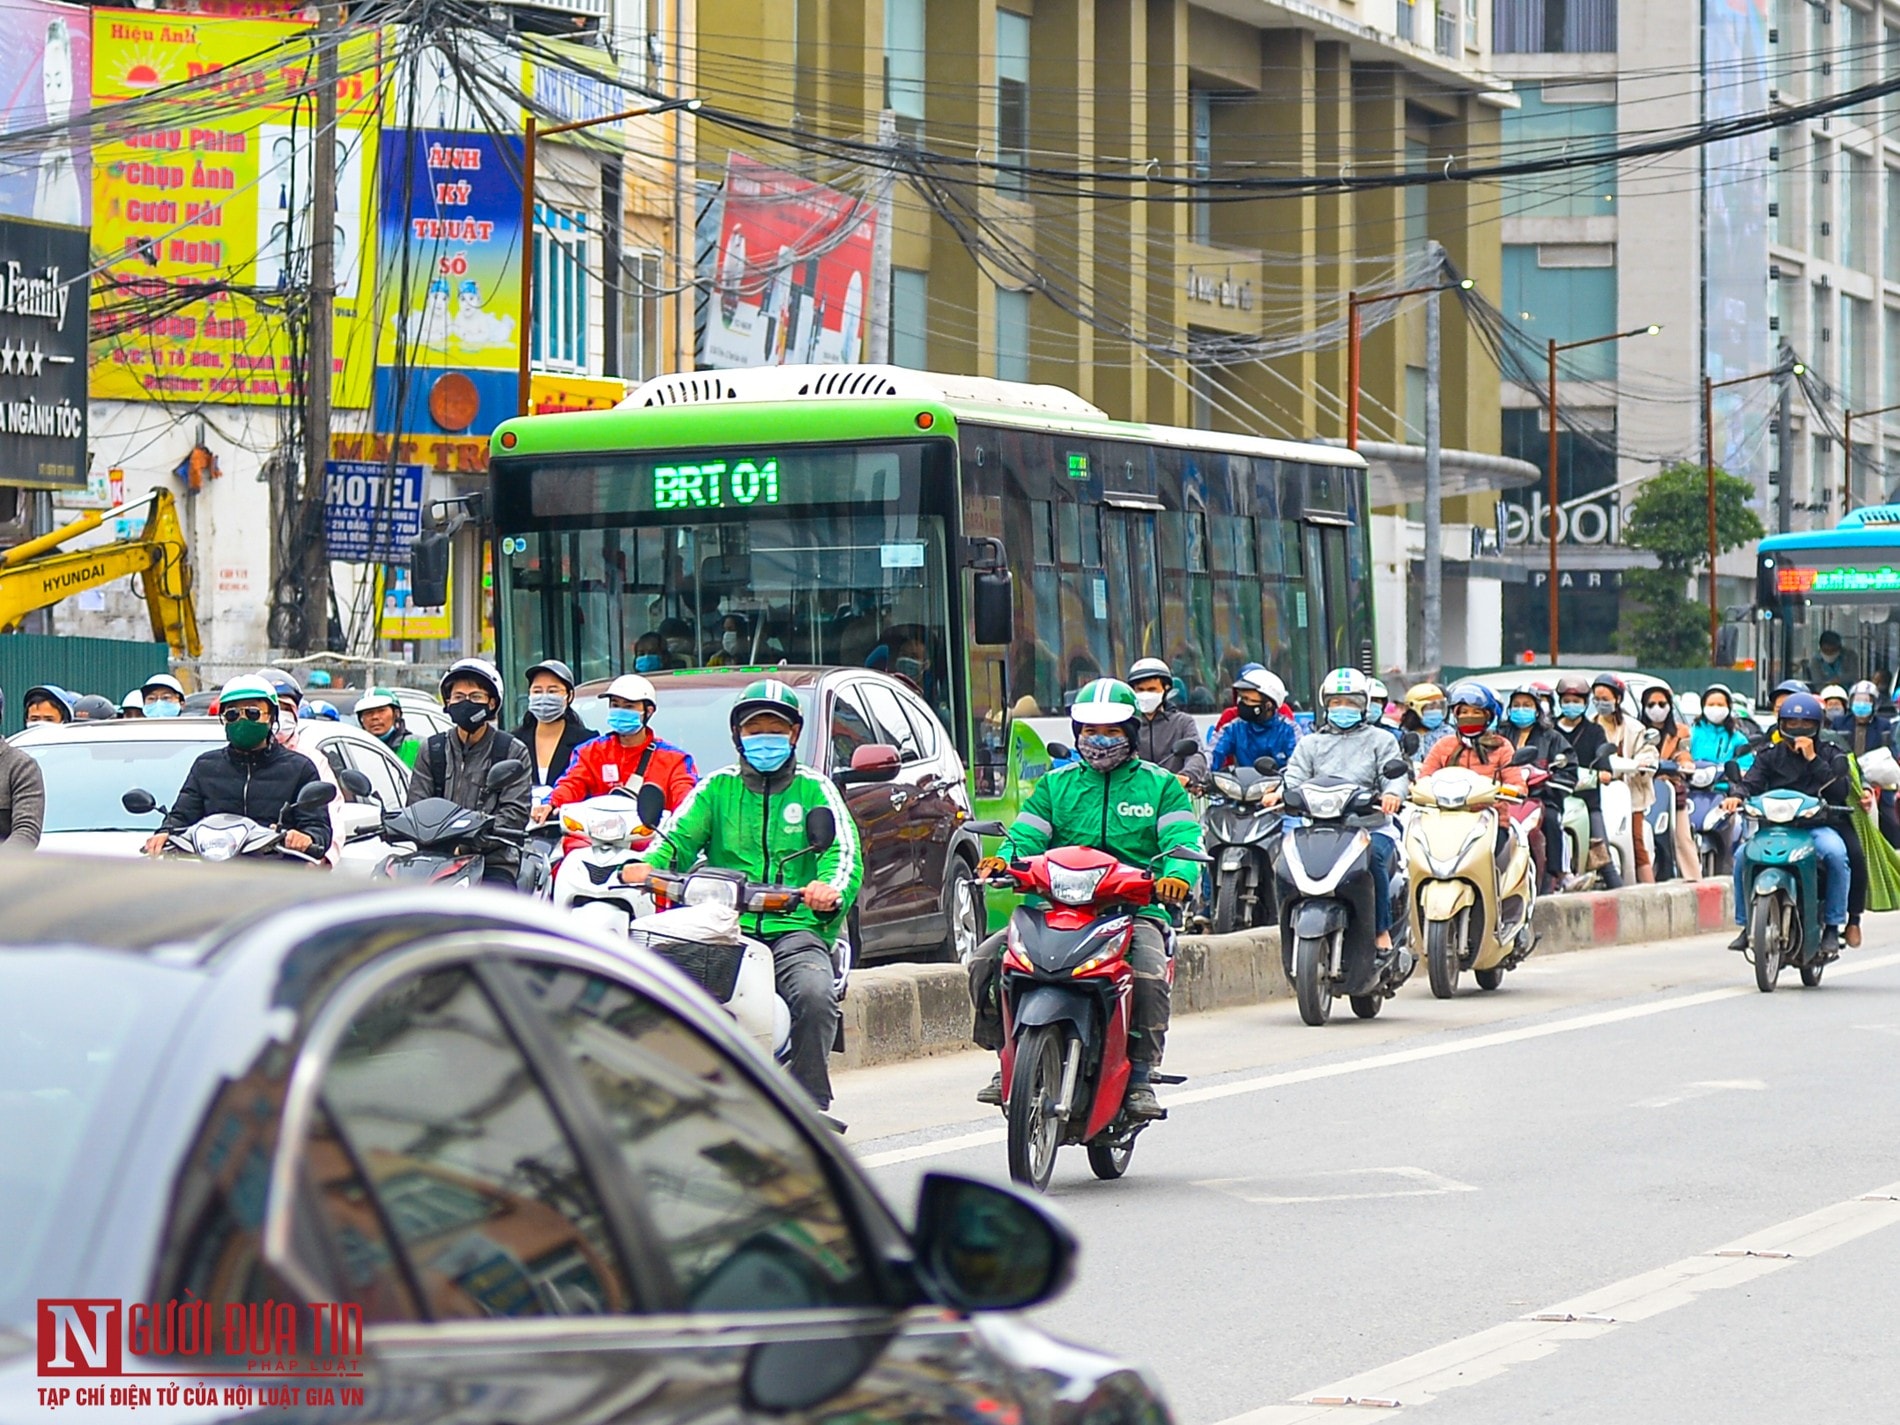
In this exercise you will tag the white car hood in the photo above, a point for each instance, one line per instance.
(94, 843)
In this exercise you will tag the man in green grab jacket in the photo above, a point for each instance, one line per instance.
(750, 818)
(1136, 811)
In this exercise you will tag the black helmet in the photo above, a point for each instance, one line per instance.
(92, 707)
(554, 666)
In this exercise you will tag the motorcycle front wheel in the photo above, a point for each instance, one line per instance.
(1311, 965)
(1109, 1161)
(1441, 955)
(1034, 1130)
(1764, 938)
(1368, 1006)
(1227, 902)
(1489, 979)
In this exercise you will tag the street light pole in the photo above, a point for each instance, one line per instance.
(1355, 308)
(531, 135)
(1550, 414)
(1847, 452)
(1709, 387)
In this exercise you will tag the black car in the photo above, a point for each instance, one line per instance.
(430, 1158)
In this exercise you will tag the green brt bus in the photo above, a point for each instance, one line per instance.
(869, 516)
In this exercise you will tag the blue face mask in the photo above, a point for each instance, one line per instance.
(1860, 709)
(1571, 710)
(649, 663)
(625, 722)
(1433, 718)
(1523, 717)
(162, 709)
(1344, 718)
(766, 751)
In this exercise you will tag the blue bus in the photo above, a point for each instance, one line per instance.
(1843, 581)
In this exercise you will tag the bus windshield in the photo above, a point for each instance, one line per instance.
(684, 560)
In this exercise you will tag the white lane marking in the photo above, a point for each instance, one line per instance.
(942, 1147)
(1702, 1088)
(1354, 1185)
(1421, 1378)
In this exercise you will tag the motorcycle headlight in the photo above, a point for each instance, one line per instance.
(1074, 887)
(1228, 786)
(1451, 789)
(219, 843)
(1780, 810)
(606, 826)
(1257, 792)
(1327, 803)
(711, 890)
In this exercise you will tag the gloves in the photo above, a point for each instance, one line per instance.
(1171, 890)
(991, 866)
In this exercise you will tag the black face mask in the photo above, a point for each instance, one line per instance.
(469, 716)
(1250, 712)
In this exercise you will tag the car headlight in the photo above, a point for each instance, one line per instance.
(1074, 887)
(1228, 786)
(711, 890)
(219, 843)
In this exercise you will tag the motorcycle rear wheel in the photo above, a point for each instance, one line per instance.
(1227, 902)
(1489, 979)
(1314, 989)
(1764, 938)
(1109, 1161)
(1034, 1130)
(1368, 1006)
(1441, 956)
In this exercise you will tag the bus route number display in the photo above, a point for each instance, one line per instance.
(1793, 579)
(715, 484)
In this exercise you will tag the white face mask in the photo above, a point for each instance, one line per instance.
(1715, 714)
(729, 641)
(1148, 702)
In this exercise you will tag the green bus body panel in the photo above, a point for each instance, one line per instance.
(817, 421)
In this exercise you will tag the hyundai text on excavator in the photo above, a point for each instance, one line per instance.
(38, 573)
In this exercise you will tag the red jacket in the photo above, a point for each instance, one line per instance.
(605, 763)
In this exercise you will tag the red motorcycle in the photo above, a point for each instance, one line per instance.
(1066, 989)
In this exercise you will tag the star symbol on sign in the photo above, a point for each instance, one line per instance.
(39, 360)
(6, 358)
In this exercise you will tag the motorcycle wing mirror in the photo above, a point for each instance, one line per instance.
(1266, 765)
(652, 804)
(315, 796)
(1184, 853)
(1060, 751)
(1524, 756)
(1395, 768)
(1651, 737)
(503, 773)
(1601, 762)
(355, 783)
(986, 1247)
(985, 828)
(1408, 743)
(1186, 746)
(873, 762)
(821, 829)
(138, 801)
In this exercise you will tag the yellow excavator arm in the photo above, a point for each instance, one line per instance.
(37, 574)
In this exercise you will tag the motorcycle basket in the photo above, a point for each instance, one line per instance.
(714, 968)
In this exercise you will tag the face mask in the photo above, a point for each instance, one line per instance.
(1344, 718)
(1250, 712)
(1432, 718)
(468, 715)
(729, 641)
(1657, 713)
(547, 707)
(396, 734)
(1472, 726)
(286, 720)
(1104, 751)
(911, 668)
(1602, 707)
(1717, 714)
(246, 735)
(164, 709)
(648, 663)
(1573, 711)
(1149, 703)
(764, 751)
(1863, 709)
(625, 722)
(1522, 717)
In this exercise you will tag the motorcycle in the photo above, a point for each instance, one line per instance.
(1712, 823)
(226, 836)
(587, 882)
(1781, 887)
(695, 928)
(449, 843)
(1240, 832)
(1473, 880)
(1067, 991)
(1328, 944)
(541, 853)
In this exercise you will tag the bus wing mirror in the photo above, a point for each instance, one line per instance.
(994, 606)
(429, 570)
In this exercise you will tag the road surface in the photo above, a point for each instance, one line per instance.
(1697, 1174)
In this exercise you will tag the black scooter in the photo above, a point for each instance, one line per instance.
(1328, 944)
(449, 842)
(1242, 834)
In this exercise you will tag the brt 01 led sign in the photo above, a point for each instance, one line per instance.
(1792, 579)
(715, 484)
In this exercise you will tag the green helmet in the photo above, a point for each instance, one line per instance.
(1106, 702)
(377, 698)
(766, 695)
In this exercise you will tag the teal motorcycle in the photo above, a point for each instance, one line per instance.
(1781, 886)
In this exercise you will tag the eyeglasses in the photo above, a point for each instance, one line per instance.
(248, 713)
(455, 698)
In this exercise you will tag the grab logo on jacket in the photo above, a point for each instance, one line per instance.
(1133, 809)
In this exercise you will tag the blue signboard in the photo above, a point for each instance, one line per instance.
(371, 514)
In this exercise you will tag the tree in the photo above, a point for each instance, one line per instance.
(1670, 519)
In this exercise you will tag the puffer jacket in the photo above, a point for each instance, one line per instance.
(262, 785)
(1155, 738)
(1625, 737)
(1491, 757)
(1242, 741)
(1356, 756)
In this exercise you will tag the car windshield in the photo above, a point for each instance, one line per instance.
(81, 1035)
(85, 778)
(693, 715)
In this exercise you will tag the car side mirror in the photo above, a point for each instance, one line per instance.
(821, 829)
(502, 773)
(138, 801)
(651, 802)
(1266, 765)
(985, 1247)
(874, 762)
(315, 796)
(1524, 756)
(355, 783)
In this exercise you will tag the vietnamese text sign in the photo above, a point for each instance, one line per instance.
(371, 514)
(42, 354)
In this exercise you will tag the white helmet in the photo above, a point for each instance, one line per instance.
(478, 668)
(1834, 690)
(633, 688)
(1345, 683)
(1266, 683)
(162, 680)
(1375, 689)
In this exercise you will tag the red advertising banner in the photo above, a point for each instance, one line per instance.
(792, 271)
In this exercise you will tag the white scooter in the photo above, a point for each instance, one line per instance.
(587, 880)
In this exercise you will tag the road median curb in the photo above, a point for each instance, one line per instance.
(900, 1012)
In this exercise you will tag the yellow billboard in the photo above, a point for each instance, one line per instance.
(218, 197)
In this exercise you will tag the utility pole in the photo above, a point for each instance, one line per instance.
(313, 553)
(878, 348)
(1784, 443)
(1434, 601)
